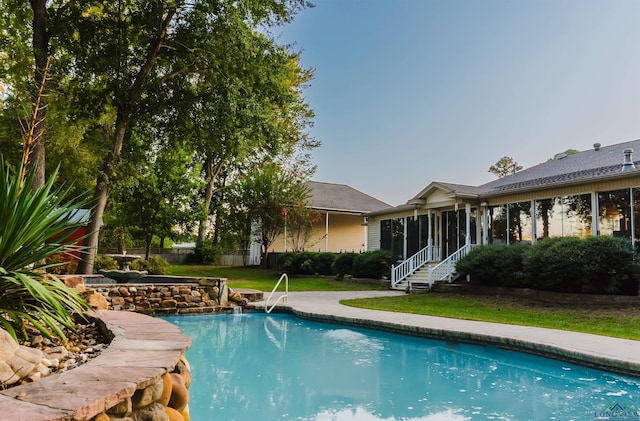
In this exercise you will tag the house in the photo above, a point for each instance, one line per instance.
(339, 224)
(593, 192)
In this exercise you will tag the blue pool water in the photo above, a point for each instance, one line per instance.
(279, 367)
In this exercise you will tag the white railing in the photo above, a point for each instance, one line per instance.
(284, 298)
(446, 268)
(409, 266)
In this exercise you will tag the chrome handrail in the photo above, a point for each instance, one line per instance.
(284, 298)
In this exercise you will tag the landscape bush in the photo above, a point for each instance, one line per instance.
(373, 264)
(323, 263)
(595, 265)
(343, 264)
(153, 266)
(306, 263)
(556, 264)
(35, 225)
(60, 264)
(206, 253)
(495, 265)
(103, 262)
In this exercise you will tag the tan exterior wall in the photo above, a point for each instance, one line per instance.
(346, 233)
(567, 190)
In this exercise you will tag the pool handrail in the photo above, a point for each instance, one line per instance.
(284, 298)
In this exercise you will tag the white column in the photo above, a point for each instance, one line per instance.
(595, 223)
(406, 239)
(478, 226)
(467, 211)
(534, 225)
(632, 222)
(326, 232)
(365, 231)
(485, 221)
(430, 235)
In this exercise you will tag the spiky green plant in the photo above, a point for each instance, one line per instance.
(34, 226)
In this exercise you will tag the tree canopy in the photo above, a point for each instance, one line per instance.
(203, 78)
(505, 166)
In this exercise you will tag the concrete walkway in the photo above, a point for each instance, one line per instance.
(611, 354)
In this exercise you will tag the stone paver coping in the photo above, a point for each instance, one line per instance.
(142, 350)
(601, 352)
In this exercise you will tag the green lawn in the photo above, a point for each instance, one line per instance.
(264, 279)
(509, 311)
(483, 308)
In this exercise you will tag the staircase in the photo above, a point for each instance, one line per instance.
(422, 277)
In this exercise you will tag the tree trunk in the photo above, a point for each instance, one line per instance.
(211, 171)
(147, 247)
(122, 122)
(101, 193)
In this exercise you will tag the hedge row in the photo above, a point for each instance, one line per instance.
(372, 264)
(594, 265)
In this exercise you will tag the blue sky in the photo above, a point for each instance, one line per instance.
(412, 91)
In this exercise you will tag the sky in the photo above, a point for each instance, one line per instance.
(407, 92)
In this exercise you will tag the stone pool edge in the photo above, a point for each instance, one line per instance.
(143, 349)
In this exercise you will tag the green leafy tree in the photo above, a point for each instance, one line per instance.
(153, 198)
(264, 198)
(137, 50)
(505, 166)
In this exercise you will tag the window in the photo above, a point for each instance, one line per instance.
(566, 216)
(614, 213)
(392, 236)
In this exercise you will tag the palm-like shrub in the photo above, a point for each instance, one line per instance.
(33, 227)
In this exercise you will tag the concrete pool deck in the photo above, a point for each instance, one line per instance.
(602, 352)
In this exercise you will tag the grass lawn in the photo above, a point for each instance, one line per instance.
(615, 322)
(264, 279)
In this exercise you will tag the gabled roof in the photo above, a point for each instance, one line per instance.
(454, 190)
(342, 198)
(583, 166)
(601, 162)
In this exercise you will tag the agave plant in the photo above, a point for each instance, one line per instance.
(34, 226)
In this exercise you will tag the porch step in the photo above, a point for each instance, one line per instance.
(420, 281)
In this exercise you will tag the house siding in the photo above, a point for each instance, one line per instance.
(567, 191)
(373, 237)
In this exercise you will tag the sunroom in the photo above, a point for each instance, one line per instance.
(573, 195)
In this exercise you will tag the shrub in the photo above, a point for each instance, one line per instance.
(285, 262)
(556, 264)
(603, 265)
(494, 265)
(323, 263)
(154, 266)
(207, 253)
(609, 265)
(373, 264)
(343, 264)
(58, 264)
(35, 226)
(103, 262)
(297, 262)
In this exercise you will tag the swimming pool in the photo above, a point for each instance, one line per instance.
(279, 367)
